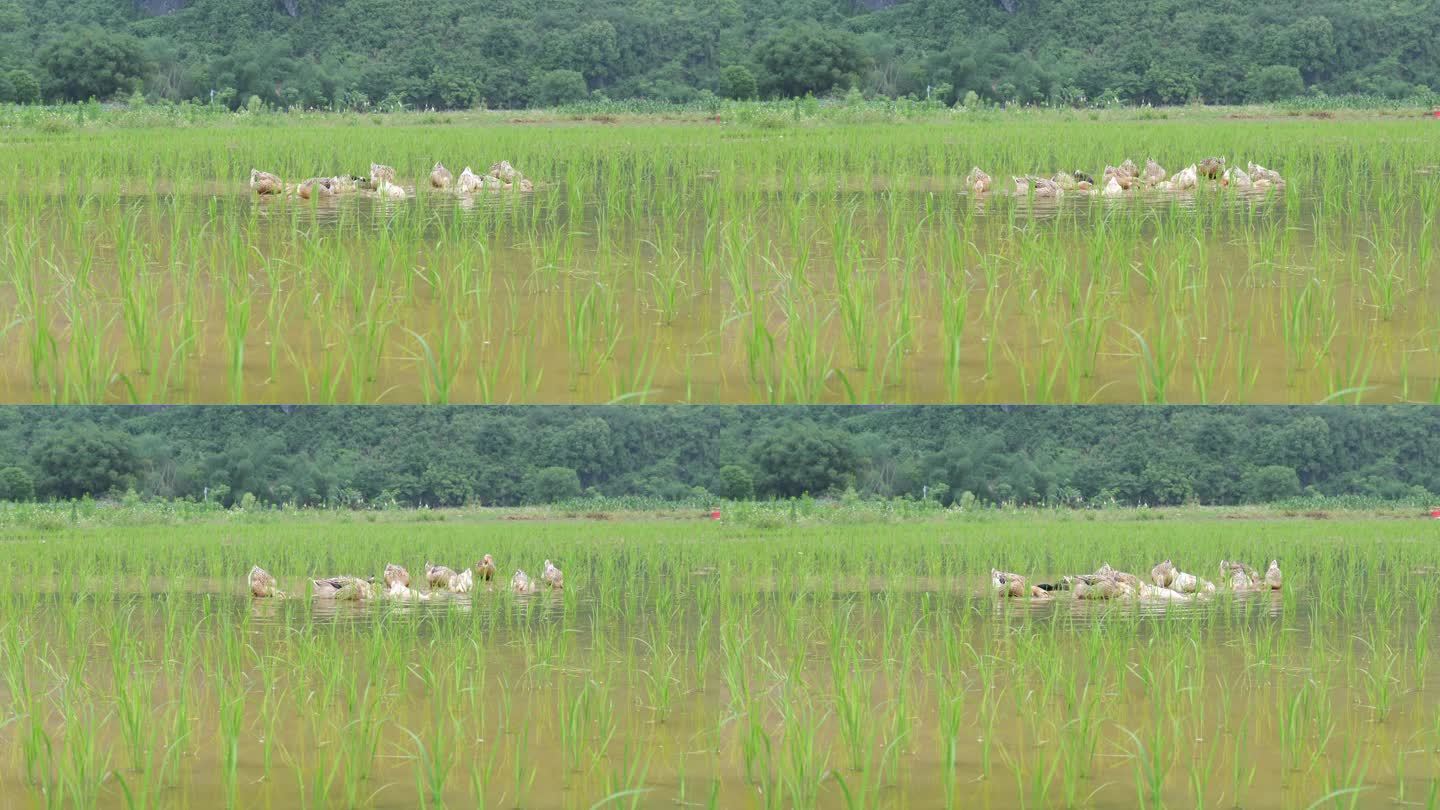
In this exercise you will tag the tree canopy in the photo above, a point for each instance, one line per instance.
(513, 53)
(449, 456)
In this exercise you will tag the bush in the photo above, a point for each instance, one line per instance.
(24, 87)
(809, 59)
(556, 87)
(736, 483)
(16, 485)
(1275, 83)
(84, 461)
(92, 63)
(552, 484)
(737, 82)
(804, 459)
(1273, 483)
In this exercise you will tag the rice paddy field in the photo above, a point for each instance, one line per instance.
(756, 259)
(719, 665)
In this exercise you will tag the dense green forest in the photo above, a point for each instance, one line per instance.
(514, 53)
(449, 456)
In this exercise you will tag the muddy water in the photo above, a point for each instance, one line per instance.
(492, 682)
(215, 296)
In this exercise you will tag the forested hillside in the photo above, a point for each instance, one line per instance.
(512, 53)
(445, 456)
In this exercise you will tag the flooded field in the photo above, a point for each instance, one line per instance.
(720, 666)
(722, 262)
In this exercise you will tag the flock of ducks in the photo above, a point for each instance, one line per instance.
(382, 183)
(1119, 180)
(440, 579)
(1166, 583)
(1115, 181)
(501, 177)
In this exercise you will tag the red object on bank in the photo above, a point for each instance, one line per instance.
(715, 514)
(1437, 112)
(1435, 513)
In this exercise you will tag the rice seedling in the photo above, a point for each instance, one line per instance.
(851, 263)
(677, 666)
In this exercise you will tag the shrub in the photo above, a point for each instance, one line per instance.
(1275, 83)
(1272, 483)
(25, 88)
(737, 82)
(84, 461)
(804, 458)
(551, 484)
(93, 63)
(556, 87)
(16, 485)
(736, 483)
(809, 59)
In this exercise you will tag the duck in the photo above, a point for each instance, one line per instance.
(396, 574)
(1189, 583)
(315, 187)
(504, 172)
(1154, 172)
(1007, 584)
(485, 569)
(1118, 177)
(1129, 169)
(1258, 171)
(388, 189)
(553, 577)
(1212, 167)
(1014, 585)
(1083, 177)
(262, 585)
(440, 176)
(1022, 185)
(380, 173)
(1264, 177)
(1272, 576)
(1238, 575)
(1123, 577)
(1185, 179)
(1047, 189)
(405, 593)
(1065, 180)
(344, 588)
(345, 183)
(1095, 588)
(978, 181)
(468, 182)
(522, 583)
(265, 183)
(1112, 188)
(438, 575)
(1236, 178)
(1163, 574)
(463, 582)
(397, 584)
(1156, 592)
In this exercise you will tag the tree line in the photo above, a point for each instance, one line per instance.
(357, 54)
(364, 457)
